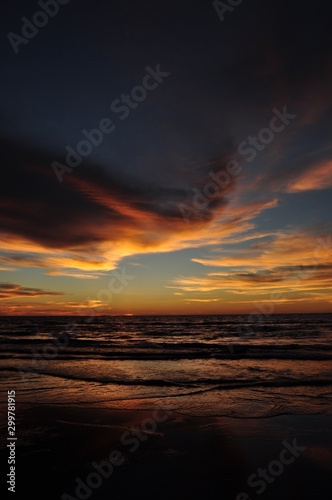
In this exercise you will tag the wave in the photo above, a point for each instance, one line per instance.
(211, 383)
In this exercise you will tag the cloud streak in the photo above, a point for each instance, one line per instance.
(295, 265)
(316, 178)
(13, 291)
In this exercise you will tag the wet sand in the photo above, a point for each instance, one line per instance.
(169, 455)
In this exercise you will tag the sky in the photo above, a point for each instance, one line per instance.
(166, 157)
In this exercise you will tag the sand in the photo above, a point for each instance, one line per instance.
(181, 457)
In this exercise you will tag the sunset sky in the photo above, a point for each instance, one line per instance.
(136, 227)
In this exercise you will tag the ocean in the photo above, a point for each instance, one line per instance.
(195, 365)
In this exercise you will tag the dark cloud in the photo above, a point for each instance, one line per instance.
(91, 205)
(12, 291)
(283, 273)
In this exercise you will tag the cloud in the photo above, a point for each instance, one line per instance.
(29, 306)
(86, 225)
(295, 264)
(74, 274)
(202, 300)
(316, 178)
(12, 291)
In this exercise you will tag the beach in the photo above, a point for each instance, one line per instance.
(183, 458)
(168, 407)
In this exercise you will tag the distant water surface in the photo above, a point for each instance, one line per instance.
(196, 365)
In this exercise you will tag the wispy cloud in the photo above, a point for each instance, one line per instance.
(202, 300)
(296, 265)
(317, 177)
(12, 291)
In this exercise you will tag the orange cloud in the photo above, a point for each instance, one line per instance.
(316, 178)
(91, 260)
(288, 267)
(202, 300)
